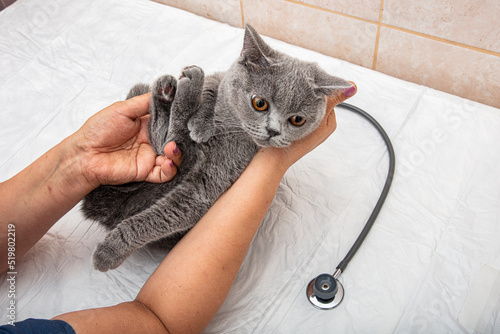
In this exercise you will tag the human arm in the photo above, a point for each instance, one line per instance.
(189, 286)
(110, 148)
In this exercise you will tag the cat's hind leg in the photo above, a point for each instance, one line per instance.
(162, 97)
(201, 124)
(187, 102)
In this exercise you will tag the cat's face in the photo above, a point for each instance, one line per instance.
(278, 99)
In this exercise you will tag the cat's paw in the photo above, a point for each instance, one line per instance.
(200, 130)
(164, 88)
(107, 257)
(190, 89)
(193, 73)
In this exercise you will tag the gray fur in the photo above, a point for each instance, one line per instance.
(218, 131)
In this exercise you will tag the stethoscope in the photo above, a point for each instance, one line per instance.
(325, 291)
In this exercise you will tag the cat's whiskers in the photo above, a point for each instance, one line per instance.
(227, 122)
(225, 133)
(229, 132)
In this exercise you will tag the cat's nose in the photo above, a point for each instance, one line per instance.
(272, 132)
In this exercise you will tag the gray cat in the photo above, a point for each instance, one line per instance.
(219, 122)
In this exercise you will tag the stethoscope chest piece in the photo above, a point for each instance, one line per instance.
(325, 292)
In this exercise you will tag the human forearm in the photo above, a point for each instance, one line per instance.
(128, 317)
(34, 199)
(203, 266)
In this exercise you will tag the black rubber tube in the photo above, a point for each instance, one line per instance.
(392, 164)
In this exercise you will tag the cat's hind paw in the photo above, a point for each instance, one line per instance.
(190, 87)
(164, 88)
(192, 72)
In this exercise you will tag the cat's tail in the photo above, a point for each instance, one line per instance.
(138, 89)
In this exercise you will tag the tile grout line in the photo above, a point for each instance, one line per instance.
(330, 11)
(242, 15)
(377, 39)
(412, 32)
(441, 40)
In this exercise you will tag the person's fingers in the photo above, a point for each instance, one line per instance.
(332, 101)
(166, 165)
(340, 96)
(331, 120)
(134, 107)
(168, 170)
(325, 128)
(173, 153)
(163, 172)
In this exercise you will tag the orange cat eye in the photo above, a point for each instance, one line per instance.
(259, 103)
(297, 120)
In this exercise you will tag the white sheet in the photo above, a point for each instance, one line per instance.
(62, 61)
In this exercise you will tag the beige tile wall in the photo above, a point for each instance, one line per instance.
(453, 46)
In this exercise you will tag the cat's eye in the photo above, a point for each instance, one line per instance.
(259, 103)
(297, 120)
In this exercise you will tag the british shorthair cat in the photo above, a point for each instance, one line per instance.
(219, 122)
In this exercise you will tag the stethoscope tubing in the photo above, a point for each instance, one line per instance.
(330, 293)
(385, 191)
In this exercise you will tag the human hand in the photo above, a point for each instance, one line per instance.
(289, 155)
(113, 146)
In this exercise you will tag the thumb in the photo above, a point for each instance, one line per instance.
(136, 106)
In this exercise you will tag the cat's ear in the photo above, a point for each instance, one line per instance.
(255, 50)
(326, 84)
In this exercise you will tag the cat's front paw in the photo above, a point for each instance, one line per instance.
(107, 257)
(200, 129)
(164, 88)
